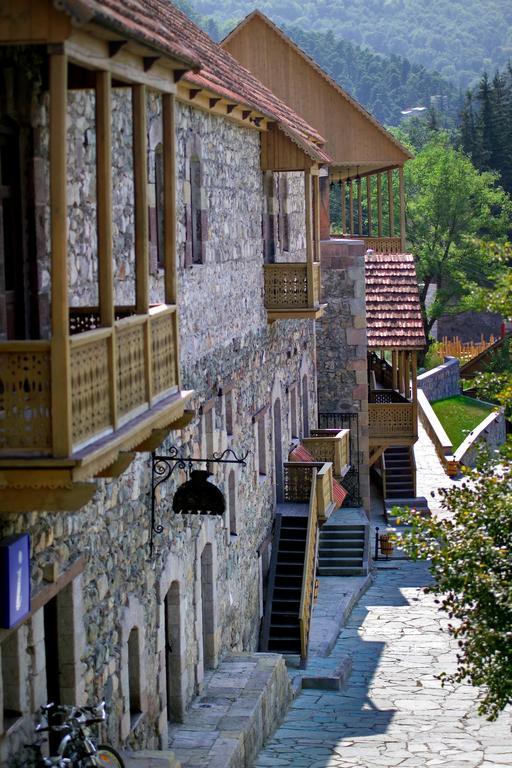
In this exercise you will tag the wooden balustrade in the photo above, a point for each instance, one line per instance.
(308, 577)
(324, 495)
(142, 349)
(379, 244)
(394, 422)
(330, 445)
(288, 293)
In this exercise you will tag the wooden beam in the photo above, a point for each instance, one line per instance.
(193, 92)
(414, 376)
(245, 113)
(60, 354)
(359, 208)
(119, 466)
(316, 217)
(140, 173)
(391, 205)
(230, 108)
(104, 196)
(376, 454)
(213, 102)
(114, 46)
(169, 158)
(394, 367)
(351, 205)
(369, 204)
(343, 192)
(309, 237)
(153, 441)
(379, 205)
(402, 209)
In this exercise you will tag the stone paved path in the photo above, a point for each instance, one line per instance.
(430, 475)
(393, 711)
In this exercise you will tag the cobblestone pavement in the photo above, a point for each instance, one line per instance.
(393, 711)
(430, 475)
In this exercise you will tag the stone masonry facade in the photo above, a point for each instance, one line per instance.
(201, 594)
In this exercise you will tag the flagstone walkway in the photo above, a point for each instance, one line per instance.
(393, 711)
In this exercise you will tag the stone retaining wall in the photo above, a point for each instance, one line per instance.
(490, 434)
(442, 381)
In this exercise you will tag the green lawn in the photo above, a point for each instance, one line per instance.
(459, 415)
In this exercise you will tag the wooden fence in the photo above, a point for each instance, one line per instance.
(464, 350)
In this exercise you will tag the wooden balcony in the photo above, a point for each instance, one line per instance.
(292, 291)
(393, 419)
(298, 479)
(331, 445)
(122, 396)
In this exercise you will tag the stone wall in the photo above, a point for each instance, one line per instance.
(226, 344)
(341, 341)
(490, 434)
(442, 381)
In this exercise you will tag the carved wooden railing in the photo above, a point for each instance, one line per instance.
(298, 477)
(308, 577)
(83, 319)
(330, 445)
(286, 286)
(391, 416)
(116, 374)
(379, 244)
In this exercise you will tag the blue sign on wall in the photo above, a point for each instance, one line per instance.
(14, 579)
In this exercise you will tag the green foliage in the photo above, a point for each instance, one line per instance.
(485, 125)
(454, 213)
(458, 39)
(471, 562)
(433, 356)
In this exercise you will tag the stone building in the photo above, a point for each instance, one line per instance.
(158, 290)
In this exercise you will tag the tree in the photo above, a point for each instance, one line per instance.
(453, 213)
(471, 563)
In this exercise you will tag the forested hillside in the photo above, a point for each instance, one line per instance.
(458, 38)
(385, 85)
(486, 125)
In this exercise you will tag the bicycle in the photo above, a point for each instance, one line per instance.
(77, 745)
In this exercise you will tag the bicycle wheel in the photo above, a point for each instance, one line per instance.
(107, 757)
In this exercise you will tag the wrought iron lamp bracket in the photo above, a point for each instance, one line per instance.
(162, 469)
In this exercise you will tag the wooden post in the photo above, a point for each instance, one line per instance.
(402, 210)
(407, 377)
(170, 265)
(60, 353)
(414, 376)
(104, 196)
(391, 205)
(140, 173)
(316, 216)
(379, 205)
(394, 366)
(351, 206)
(401, 372)
(343, 208)
(359, 208)
(169, 157)
(104, 216)
(309, 239)
(369, 204)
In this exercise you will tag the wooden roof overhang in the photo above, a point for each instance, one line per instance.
(356, 142)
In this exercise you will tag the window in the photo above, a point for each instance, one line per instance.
(134, 676)
(196, 213)
(262, 447)
(229, 412)
(233, 530)
(268, 221)
(195, 204)
(293, 412)
(11, 707)
(284, 219)
(157, 226)
(305, 407)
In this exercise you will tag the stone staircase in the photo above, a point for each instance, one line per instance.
(281, 633)
(344, 544)
(400, 483)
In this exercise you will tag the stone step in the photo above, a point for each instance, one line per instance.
(341, 551)
(341, 562)
(342, 527)
(150, 759)
(341, 571)
(240, 706)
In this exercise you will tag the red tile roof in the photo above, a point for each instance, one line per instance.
(393, 314)
(160, 24)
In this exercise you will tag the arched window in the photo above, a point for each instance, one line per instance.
(233, 529)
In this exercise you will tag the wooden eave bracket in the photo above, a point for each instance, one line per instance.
(193, 92)
(119, 466)
(114, 46)
(149, 61)
(55, 499)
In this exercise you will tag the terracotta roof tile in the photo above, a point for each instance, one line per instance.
(393, 313)
(300, 453)
(160, 24)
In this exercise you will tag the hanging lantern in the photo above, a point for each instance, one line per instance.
(197, 496)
